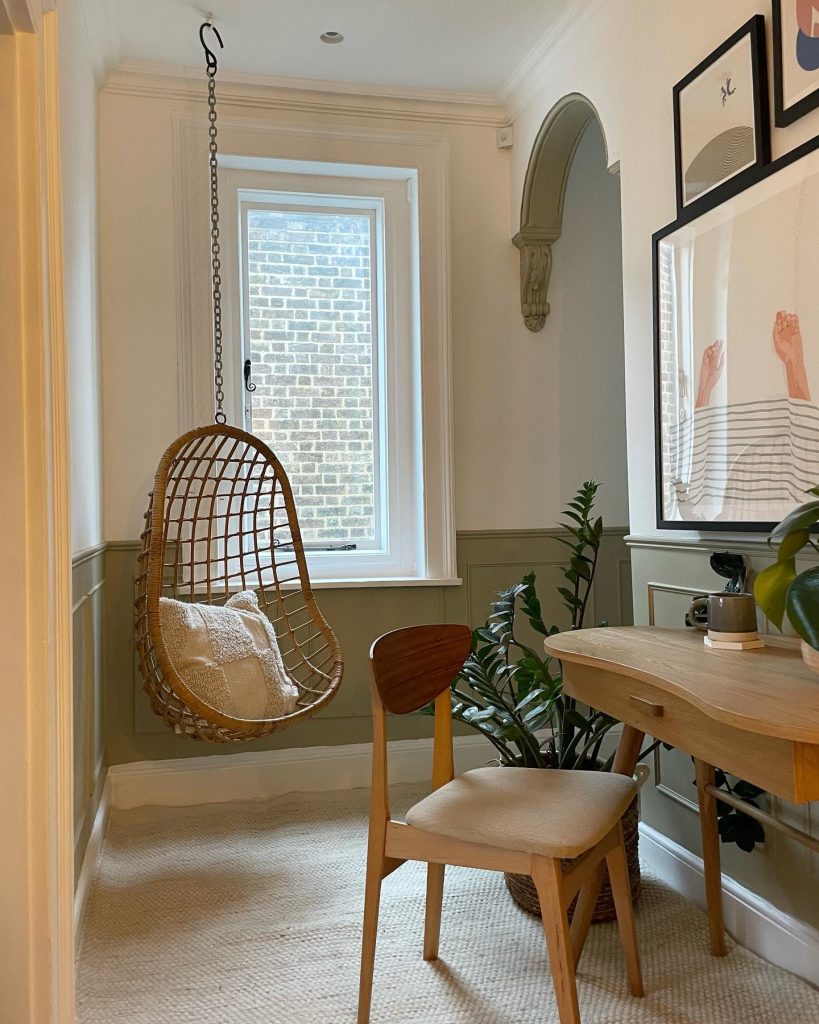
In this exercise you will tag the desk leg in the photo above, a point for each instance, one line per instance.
(625, 761)
(710, 856)
(628, 750)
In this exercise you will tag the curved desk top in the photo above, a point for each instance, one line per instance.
(769, 691)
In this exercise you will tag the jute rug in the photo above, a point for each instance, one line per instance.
(251, 913)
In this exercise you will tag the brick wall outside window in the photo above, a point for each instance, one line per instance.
(311, 341)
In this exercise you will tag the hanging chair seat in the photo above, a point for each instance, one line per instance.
(220, 520)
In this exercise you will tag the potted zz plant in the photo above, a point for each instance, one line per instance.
(513, 693)
(780, 591)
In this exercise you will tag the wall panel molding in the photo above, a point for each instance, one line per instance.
(487, 561)
(743, 542)
(88, 617)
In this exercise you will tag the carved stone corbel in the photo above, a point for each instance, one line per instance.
(535, 271)
(541, 208)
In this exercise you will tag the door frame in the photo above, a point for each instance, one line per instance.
(36, 842)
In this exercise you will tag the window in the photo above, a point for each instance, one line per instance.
(323, 300)
(314, 349)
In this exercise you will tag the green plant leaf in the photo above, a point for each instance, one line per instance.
(579, 721)
(747, 790)
(581, 568)
(802, 605)
(569, 596)
(801, 518)
(475, 715)
(792, 543)
(771, 589)
(537, 694)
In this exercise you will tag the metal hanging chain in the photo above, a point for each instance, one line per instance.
(216, 265)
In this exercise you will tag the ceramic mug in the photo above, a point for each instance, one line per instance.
(726, 613)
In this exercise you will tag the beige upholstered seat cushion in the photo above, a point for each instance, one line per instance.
(228, 656)
(534, 810)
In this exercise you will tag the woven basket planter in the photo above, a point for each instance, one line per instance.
(524, 892)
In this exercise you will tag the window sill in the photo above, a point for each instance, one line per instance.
(384, 581)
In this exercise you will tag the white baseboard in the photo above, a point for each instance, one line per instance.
(91, 856)
(265, 774)
(755, 923)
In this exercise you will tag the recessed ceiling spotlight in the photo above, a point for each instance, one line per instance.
(332, 37)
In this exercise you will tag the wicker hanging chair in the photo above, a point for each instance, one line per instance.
(221, 518)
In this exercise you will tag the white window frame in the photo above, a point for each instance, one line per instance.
(272, 145)
(395, 320)
(374, 210)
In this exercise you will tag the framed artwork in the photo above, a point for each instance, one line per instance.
(736, 332)
(721, 120)
(796, 58)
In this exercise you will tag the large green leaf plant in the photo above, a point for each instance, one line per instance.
(779, 590)
(513, 692)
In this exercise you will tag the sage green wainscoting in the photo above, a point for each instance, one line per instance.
(783, 872)
(487, 562)
(88, 619)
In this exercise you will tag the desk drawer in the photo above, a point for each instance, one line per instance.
(773, 764)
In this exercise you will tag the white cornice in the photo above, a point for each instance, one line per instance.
(357, 98)
(309, 95)
(520, 86)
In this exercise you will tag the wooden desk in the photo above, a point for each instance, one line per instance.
(754, 714)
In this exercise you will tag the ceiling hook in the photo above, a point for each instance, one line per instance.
(210, 56)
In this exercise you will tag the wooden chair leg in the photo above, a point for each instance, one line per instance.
(547, 876)
(432, 917)
(372, 900)
(710, 856)
(583, 911)
(621, 890)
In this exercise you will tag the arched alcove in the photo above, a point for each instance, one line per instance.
(544, 191)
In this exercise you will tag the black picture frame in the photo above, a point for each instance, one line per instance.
(754, 28)
(783, 115)
(690, 215)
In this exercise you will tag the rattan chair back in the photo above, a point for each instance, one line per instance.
(220, 519)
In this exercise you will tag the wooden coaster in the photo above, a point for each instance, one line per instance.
(733, 645)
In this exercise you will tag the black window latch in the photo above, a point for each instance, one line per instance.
(249, 385)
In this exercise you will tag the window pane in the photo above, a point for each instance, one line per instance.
(313, 350)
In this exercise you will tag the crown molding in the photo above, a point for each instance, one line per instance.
(520, 87)
(140, 78)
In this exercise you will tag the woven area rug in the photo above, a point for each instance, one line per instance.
(251, 913)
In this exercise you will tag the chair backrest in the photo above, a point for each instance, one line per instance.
(412, 666)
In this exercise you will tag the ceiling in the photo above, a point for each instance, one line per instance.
(466, 46)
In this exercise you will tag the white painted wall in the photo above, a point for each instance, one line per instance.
(78, 115)
(505, 407)
(625, 56)
(586, 296)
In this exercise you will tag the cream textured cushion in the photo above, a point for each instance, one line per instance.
(533, 810)
(228, 656)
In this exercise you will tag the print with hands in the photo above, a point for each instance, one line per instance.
(787, 341)
(713, 361)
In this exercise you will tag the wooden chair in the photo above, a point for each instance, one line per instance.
(523, 820)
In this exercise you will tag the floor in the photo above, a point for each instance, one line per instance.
(251, 913)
